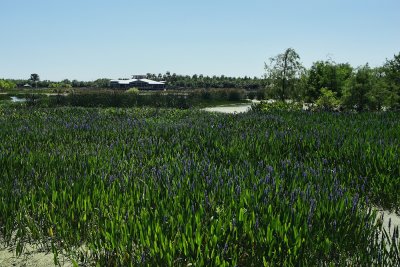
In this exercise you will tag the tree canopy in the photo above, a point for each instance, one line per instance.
(6, 85)
(34, 78)
(282, 73)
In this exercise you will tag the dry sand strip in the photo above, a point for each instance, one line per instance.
(391, 217)
(32, 256)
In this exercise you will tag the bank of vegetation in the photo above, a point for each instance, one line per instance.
(327, 84)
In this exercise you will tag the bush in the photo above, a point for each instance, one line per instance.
(327, 100)
(282, 106)
(251, 95)
(218, 94)
(132, 90)
(235, 95)
(206, 94)
(260, 94)
(6, 85)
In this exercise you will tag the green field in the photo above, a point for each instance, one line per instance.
(168, 187)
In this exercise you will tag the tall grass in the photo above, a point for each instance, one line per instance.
(169, 187)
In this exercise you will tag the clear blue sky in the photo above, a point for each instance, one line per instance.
(89, 39)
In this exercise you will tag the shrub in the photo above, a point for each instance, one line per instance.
(206, 94)
(260, 94)
(6, 85)
(251, 95)
(235, 95)
(327, 100)
(132, 90)
(282, 106)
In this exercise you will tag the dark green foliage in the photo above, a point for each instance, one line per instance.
(164, 187)
(355, 95)
(120, 98)
(326, 74)
(34, 79)
(391, 70)
(175, 81)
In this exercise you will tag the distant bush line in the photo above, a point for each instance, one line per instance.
(119, 98)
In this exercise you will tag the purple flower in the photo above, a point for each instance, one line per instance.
(256, 225)
(143, 257)
(355, 202)
(270, 169)
(225, 248)
(238, 190)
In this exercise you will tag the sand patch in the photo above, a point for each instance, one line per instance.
(32, 256)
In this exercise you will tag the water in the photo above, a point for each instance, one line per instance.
(17, 99)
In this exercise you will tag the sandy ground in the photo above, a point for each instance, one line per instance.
(234, 108)
(32, 256)
(392, 217)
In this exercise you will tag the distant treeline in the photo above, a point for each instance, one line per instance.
(175, 81)
(20, 83)
(326, 83)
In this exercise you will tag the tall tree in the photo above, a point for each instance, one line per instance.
(35, 78)
(358, 88)
(283, 71)
(380, 95)
(391, 70)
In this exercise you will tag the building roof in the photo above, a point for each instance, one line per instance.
(151, 81)
(135, 80)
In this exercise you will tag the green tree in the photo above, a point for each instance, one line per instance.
(75, 83)
(327, 100)
(35, 79)
(101, 83)
(282, 73)
(381, 96)
(326, 74)
(6, 85)
(391, 77)
(357, 89)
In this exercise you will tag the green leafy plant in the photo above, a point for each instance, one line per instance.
(327, 100)
(168, 187)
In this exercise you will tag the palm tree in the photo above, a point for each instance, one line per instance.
(35, 78)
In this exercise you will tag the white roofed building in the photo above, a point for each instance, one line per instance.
(139, 82)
